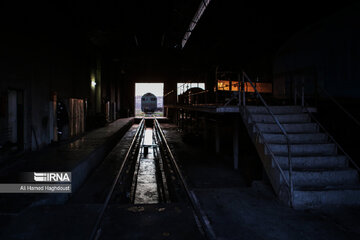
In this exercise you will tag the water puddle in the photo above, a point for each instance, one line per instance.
(146, 189)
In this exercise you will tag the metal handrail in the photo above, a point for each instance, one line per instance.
(192, 94)
(282, 129)
(271, 153)
(168, 93)
(333, 139)
(341, 107)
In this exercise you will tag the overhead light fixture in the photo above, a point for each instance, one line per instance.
(92, 80)
(194, 21)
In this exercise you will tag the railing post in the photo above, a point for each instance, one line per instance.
(303, 92)
(239, 90)
(316, 92)
(282, 129)
(243, 89)
(295, 91)
(290, 172)
(236, 143)
(216, 85)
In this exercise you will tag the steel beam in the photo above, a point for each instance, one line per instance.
(194, 21)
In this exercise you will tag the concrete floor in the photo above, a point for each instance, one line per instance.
(239, 211)
(235, 209)
(76, 218)
(80, 157)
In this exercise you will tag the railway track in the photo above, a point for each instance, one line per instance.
(149, 174)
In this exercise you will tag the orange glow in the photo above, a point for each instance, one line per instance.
(223, 85)
(261, 87)
(235, 86)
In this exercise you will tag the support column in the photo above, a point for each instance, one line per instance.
(191, 130)
(185, 121)
(182, 119)
(236, 143)
(178, 118)
(205, 131)
(217, 137)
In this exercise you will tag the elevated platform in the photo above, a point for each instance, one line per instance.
(207, 108)
(79, 157)
(218, 109)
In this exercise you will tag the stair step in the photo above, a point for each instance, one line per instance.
(320, 162)
(296, 138)
(318, 198)
(304, 149)
(319, 178)
(288, 118)
(289, 127)
(275, 109)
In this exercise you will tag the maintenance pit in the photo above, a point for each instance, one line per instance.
(191, 119)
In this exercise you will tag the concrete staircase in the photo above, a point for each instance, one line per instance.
(321, 176)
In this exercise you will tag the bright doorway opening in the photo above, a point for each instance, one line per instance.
(149, 99)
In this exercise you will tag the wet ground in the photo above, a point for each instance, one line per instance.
(76, 219)
(235, 208)
(80, 157)
(146, 184)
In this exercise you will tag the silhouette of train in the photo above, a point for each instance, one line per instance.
(148, 103)
(192, 96)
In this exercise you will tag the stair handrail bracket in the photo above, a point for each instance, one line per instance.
(283, 131)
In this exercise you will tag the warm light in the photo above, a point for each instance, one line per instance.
(92, 80)
(223, 85)
(234, 86)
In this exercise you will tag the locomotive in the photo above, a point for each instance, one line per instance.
(148, 103)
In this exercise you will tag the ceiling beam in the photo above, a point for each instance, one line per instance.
(194, 21)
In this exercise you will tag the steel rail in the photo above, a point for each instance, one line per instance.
(198, 212)
(282, 129)
(95, 234)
